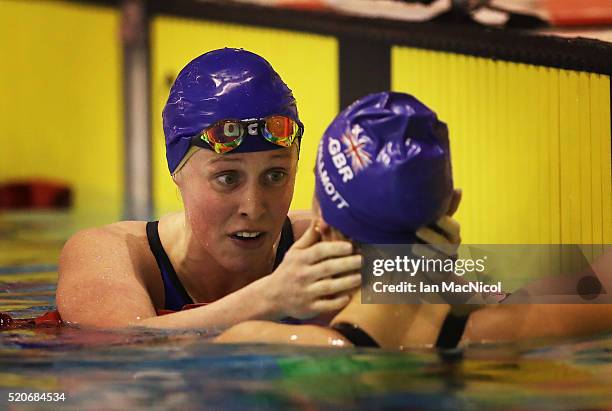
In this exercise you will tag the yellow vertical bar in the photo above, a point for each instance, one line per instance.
(456, 139)
(445, 64)
(501, 136)
(554, 141)
(433, 68)
(490, 138)
(606, 161)
(484, 148)
(544, 153)
(583, 108)
(574, 166)
(597, 134)
(568, 167)
(470, 149)
(565, 168)
(480, 147)
(418, 77)
(516, 83)
(554, 126)
(459, 143)
(596, 166)
(470, 136)
(528, 167)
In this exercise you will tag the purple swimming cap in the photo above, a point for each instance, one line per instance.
(223, 84)
(383, 169)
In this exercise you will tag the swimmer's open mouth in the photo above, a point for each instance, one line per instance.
(247, 235)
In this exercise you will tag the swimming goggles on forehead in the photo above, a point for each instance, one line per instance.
(226, 135)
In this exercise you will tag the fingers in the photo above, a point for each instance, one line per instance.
(455, 200)
(310, 237)
(451, 228)
(330, 286)
(433, 240)
(335, 266)
(429, 236)
(327, 249)
(450, 235)
(425, 250)
(332, 304)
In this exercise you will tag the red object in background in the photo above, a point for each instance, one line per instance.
(579, 12)
(35, 194)
(51, 318)
(48, 319)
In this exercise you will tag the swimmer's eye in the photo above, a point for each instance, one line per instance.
(276, 177)
(227, 179)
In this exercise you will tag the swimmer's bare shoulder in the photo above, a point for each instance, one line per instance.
(107, 276)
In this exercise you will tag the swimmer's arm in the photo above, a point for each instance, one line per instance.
(568, 288)
(513, 322)
(97, 285)
(242, 305)
(273, 333)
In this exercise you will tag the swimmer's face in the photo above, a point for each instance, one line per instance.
(236, 204)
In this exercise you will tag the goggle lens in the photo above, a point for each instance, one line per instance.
(281, 130)
(225, 131)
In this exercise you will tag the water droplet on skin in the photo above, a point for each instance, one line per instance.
(336, 342)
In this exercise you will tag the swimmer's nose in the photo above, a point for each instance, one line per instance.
(253, 202)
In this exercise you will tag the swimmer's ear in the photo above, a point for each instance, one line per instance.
(323, 228)
(455, 200)
(310, 236)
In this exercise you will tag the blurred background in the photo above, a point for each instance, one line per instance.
(524, 87)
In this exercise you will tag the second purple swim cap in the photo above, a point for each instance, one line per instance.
(223, 84)
(383, 169)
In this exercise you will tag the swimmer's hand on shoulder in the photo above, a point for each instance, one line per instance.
(303, 285)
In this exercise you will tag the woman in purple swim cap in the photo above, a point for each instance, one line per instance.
(232, 142)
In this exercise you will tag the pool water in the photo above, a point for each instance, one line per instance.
(159, 370)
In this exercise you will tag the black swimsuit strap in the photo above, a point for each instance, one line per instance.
(356, 335)
(452, 330)
(176, 295)
(285, 242)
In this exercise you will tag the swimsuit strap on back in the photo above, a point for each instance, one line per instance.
(452, 330)
(284, 243)
(356, 335)
(175, 296)
(174, 292)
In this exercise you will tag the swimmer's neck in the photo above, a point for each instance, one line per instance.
(203, 277)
